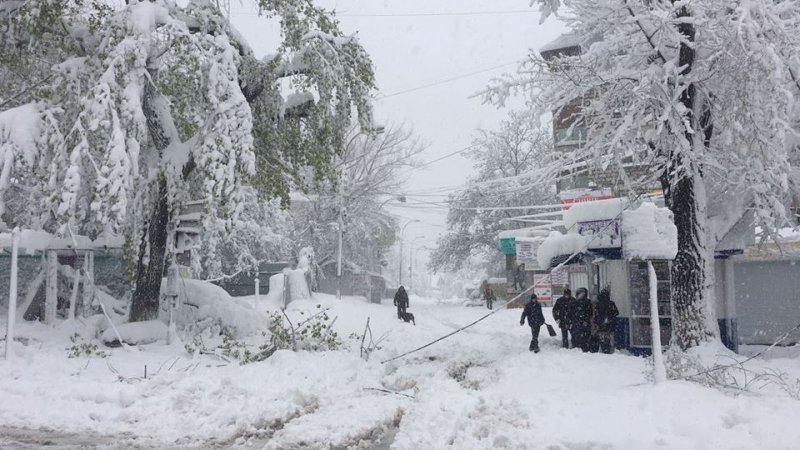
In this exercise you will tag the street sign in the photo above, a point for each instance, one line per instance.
(507, 246)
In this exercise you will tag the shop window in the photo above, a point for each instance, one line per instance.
(640, 302)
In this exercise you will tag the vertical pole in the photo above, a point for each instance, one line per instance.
(401, 260)
(51, 288)
(340, 222)
(257, 283)
(88, 282)
(73, 298)
(12, 296)
(171, 291)
(411, 270)
(659, 370)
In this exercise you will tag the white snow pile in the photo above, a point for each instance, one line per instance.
(649, 233)
(559, 244)
(592, 211)
(204, 306)
(137, 333)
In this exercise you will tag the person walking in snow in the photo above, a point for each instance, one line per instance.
(533, 312)
(401, 301)
(580, 314)
(561, 316)
(488, 296)
(604, 321)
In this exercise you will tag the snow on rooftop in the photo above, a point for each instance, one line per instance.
(36, 240)
(518, 233)
(557, 244)
(648, 232)
(566, 40)
(592, 211)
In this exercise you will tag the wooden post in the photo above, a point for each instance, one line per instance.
(51, 288)
(88, 282)
(12, 296)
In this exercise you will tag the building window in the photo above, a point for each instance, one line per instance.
(570, 136)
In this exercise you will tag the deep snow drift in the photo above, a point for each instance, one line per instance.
(479, 389)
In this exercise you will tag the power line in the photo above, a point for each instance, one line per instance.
(424, 14)
(447, 80)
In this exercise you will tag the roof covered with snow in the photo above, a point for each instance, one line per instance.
(593, 211)
(518, 233)
(557, 244)
(37, 240)
(648, 232)
(566, 40)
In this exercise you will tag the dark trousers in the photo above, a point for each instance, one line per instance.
(534, 347)
(606, 342)
(565, 337)
(580, 337)
(401, 309)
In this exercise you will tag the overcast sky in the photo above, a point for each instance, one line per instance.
(418, 47)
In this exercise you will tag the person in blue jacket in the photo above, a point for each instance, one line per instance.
(533, 312)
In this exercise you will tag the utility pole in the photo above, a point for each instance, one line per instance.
(340, 222)
(403, 230)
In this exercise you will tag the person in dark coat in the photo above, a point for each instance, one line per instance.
(488, 296)
(580, 314)
(604, 321)
(401, 301)
(533, 312)
(561, 316)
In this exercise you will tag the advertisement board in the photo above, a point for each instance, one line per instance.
(527, 251)
(541, 287)
(601, 233)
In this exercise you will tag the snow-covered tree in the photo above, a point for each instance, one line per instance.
(702, 93)
(519, 146)
(154, 104)
(367, 174)
(260, 233)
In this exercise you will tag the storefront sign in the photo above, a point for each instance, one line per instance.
(582, 195)
(507, 246)
(602, 233)
(541, 287)
(527, 252)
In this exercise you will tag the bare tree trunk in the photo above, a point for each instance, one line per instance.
(684, 195)
(147, 293)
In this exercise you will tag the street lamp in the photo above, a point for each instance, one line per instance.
(411, 262)
(403, 230)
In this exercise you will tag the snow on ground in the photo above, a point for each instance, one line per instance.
(479, 389)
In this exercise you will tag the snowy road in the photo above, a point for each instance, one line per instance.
(479, 389)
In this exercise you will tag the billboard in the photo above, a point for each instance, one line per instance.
(541, 287)
(601, 233)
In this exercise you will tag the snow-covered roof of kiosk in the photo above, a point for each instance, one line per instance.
(648, 232)
(557, 244)
(37, 240)
(593, 211)
(519, 233)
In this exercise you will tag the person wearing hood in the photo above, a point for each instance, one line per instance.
(561, 316)
(401, 301)
(580, 313)
(604, 321)
(533, 312)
